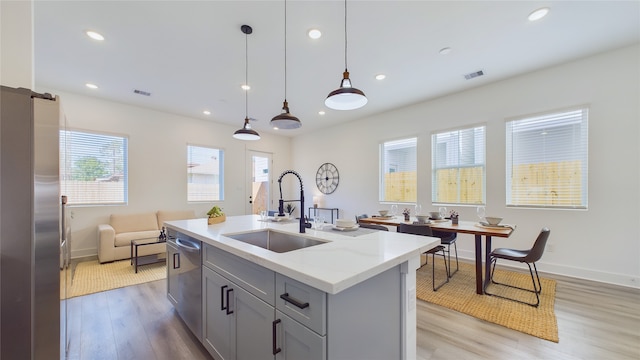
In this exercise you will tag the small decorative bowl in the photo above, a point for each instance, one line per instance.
(217, 220)
(383, 212)
(492, 220)
(434, 215)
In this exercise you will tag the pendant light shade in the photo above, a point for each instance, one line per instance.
(346, 97)
(246, 133)
(285, 120)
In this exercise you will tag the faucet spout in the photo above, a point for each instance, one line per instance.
(281, 201)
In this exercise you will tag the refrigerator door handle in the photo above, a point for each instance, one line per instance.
(63, 220)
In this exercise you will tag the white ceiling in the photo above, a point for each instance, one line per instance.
(190, 55)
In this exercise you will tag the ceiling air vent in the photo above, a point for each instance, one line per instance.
(474, 74)
(140, 92)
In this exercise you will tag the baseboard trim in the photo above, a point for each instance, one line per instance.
(568, 271)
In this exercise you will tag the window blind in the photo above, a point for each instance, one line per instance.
(398, 171)
(458, 166)
(547, 160)
(93, 168)
(204, 174)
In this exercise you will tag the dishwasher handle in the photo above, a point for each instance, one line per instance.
(187, 245)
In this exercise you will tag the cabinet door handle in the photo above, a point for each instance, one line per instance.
(295, 302)
(176, 260)
(222, 307)
(275, 348)
(229, 311)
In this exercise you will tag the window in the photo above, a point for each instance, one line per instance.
(547, 160)
(458, 166)
(398, 172)
(204, 174)
(93, 168)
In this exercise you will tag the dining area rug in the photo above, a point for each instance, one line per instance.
(459, 294)
(90, 277)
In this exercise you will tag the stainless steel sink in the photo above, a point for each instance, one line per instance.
(275, 241)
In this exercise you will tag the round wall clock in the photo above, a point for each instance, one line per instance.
(327, 178)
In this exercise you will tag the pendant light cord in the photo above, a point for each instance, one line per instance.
(285, 50)
(246, 75)
(345, 35)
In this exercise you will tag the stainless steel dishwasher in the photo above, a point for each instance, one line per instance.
(184, 278)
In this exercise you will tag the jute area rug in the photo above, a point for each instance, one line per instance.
(460, 295)
(91, 277)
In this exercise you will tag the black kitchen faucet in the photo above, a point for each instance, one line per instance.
(303, 223)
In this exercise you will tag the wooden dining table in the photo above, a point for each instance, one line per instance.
(463, 227)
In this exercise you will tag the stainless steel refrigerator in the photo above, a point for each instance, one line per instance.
(31, 211)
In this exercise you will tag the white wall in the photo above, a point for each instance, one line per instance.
(601, 243)
(157, 161)
(16, 38)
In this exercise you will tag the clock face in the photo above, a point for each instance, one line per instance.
(327, 178)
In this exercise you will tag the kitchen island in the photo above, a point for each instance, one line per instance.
(349, 297)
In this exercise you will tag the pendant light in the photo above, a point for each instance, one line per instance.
(346, 97)
(246, 133)
(285, 120)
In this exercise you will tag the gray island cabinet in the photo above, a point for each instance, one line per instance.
(352, 297)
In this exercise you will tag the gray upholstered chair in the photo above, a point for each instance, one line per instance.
(374, 226)
(358, 217)
(425, 230)
(528, 257)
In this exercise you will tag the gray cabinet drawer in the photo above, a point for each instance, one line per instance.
(305, 304)
(256, 279)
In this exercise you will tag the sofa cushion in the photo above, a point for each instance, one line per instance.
(124, 239)
(134, 222)
(164, 215)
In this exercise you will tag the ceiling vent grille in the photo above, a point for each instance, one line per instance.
(474, 74)
(141, 92)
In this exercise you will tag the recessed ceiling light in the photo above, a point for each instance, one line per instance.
(538, 14)
(245, 87)
(380, 76)
(91, 86)
(207, 112)
(314, 34)
(94, 35)
(321, 112)
(444, 50)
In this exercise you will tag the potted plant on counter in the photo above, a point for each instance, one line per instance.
(216, 215)
(289, 208)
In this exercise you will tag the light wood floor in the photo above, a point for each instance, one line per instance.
(595, 321)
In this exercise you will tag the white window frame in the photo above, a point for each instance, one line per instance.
(205, 174)
(558, 154)
(408, 163)
(450, 151)
(109, 185)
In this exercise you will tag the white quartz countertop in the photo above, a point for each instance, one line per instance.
(338, 264)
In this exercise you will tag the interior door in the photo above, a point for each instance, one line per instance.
(259, 197)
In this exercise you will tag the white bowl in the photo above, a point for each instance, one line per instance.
(383, 212)
(492, 220)
(345, 223)
(423, 219)
(434, 214)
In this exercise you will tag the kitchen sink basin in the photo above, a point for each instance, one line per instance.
(275, 241)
